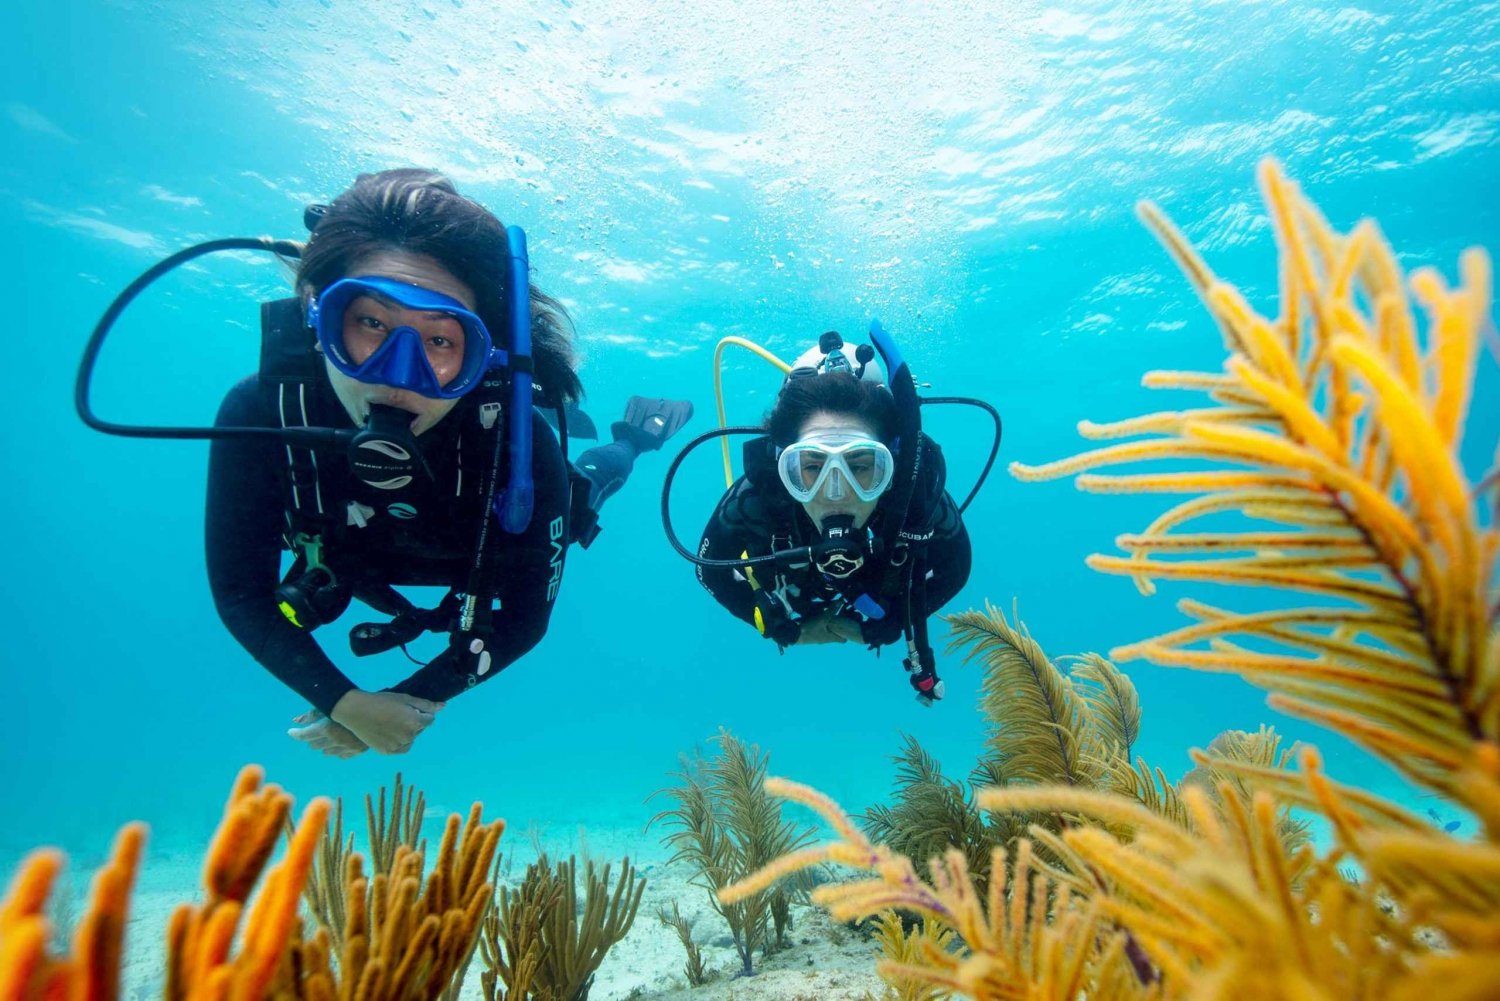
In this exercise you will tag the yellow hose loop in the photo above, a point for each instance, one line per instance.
(719, 389)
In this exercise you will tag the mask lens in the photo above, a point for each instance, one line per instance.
(369, 323)
(835, 469)
(810, 466)
(865, 467)
(381, 331)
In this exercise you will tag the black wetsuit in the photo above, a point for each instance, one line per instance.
(423, 534)
(757, 510)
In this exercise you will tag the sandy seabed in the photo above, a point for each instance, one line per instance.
(825, 961)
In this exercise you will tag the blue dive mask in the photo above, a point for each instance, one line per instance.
(404, 358)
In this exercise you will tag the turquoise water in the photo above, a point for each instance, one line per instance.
(965, 174)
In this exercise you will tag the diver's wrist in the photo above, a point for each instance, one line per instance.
(347, 705)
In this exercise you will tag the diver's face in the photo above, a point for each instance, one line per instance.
(369, 318)
(820, 507)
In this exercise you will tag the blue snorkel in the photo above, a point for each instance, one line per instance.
(909, 432)
(513, 506)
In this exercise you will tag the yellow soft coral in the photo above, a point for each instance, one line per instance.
(1350, 434)
(1029, 938)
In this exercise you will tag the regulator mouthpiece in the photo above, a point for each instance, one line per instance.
(386, 454)
(841, 554)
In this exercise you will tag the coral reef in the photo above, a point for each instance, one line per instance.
(1340, 434)
(389, 828)
(543, 943)
(1030, 936)
(387, 936)
(1044, 725)
(28, 969)
(1350, 436)
(406, 940)
(728, 827)
(696, 973)
(904, 946)
(400, 939)
(324, 890)
(200, 937)
(400, 824)
(931, 813)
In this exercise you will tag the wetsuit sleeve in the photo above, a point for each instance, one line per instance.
(242, 527)
(527, 576)
(726, 538)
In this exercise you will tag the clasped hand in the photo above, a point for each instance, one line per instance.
(387, 721)
(826, 627)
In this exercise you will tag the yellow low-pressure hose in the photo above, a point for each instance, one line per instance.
(719, 389)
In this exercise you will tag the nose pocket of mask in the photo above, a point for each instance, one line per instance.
(835, 489)
(400, 361)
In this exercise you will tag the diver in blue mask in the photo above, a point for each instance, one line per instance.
(388, 440)
(840, 529)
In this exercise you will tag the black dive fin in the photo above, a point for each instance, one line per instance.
(649, 422)
(580, 424)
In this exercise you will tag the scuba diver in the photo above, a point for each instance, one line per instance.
(841, 529)
(388, 439)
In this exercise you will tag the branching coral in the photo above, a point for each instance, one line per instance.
(92, 969)
(324, 891)
(697, 974)
(396, 825)
(400, 941)
(1341, 435)
(1042, 727)
(389, 828)
(405, 940)
(1029, 937)
(553, 941)
(903, 947)
(932, 813)
(543, 942)
(1353, 450)
(200, 962)
(726, 827)
(1235, 754)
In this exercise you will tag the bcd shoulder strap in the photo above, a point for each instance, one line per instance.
(290, 367)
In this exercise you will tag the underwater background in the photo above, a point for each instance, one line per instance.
(965, 172)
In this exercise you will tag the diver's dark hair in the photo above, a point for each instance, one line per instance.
(835, 392)
(421, 212)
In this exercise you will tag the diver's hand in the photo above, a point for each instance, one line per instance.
(323, 734)
(821, 628)
(848, 628)
(386, 721)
